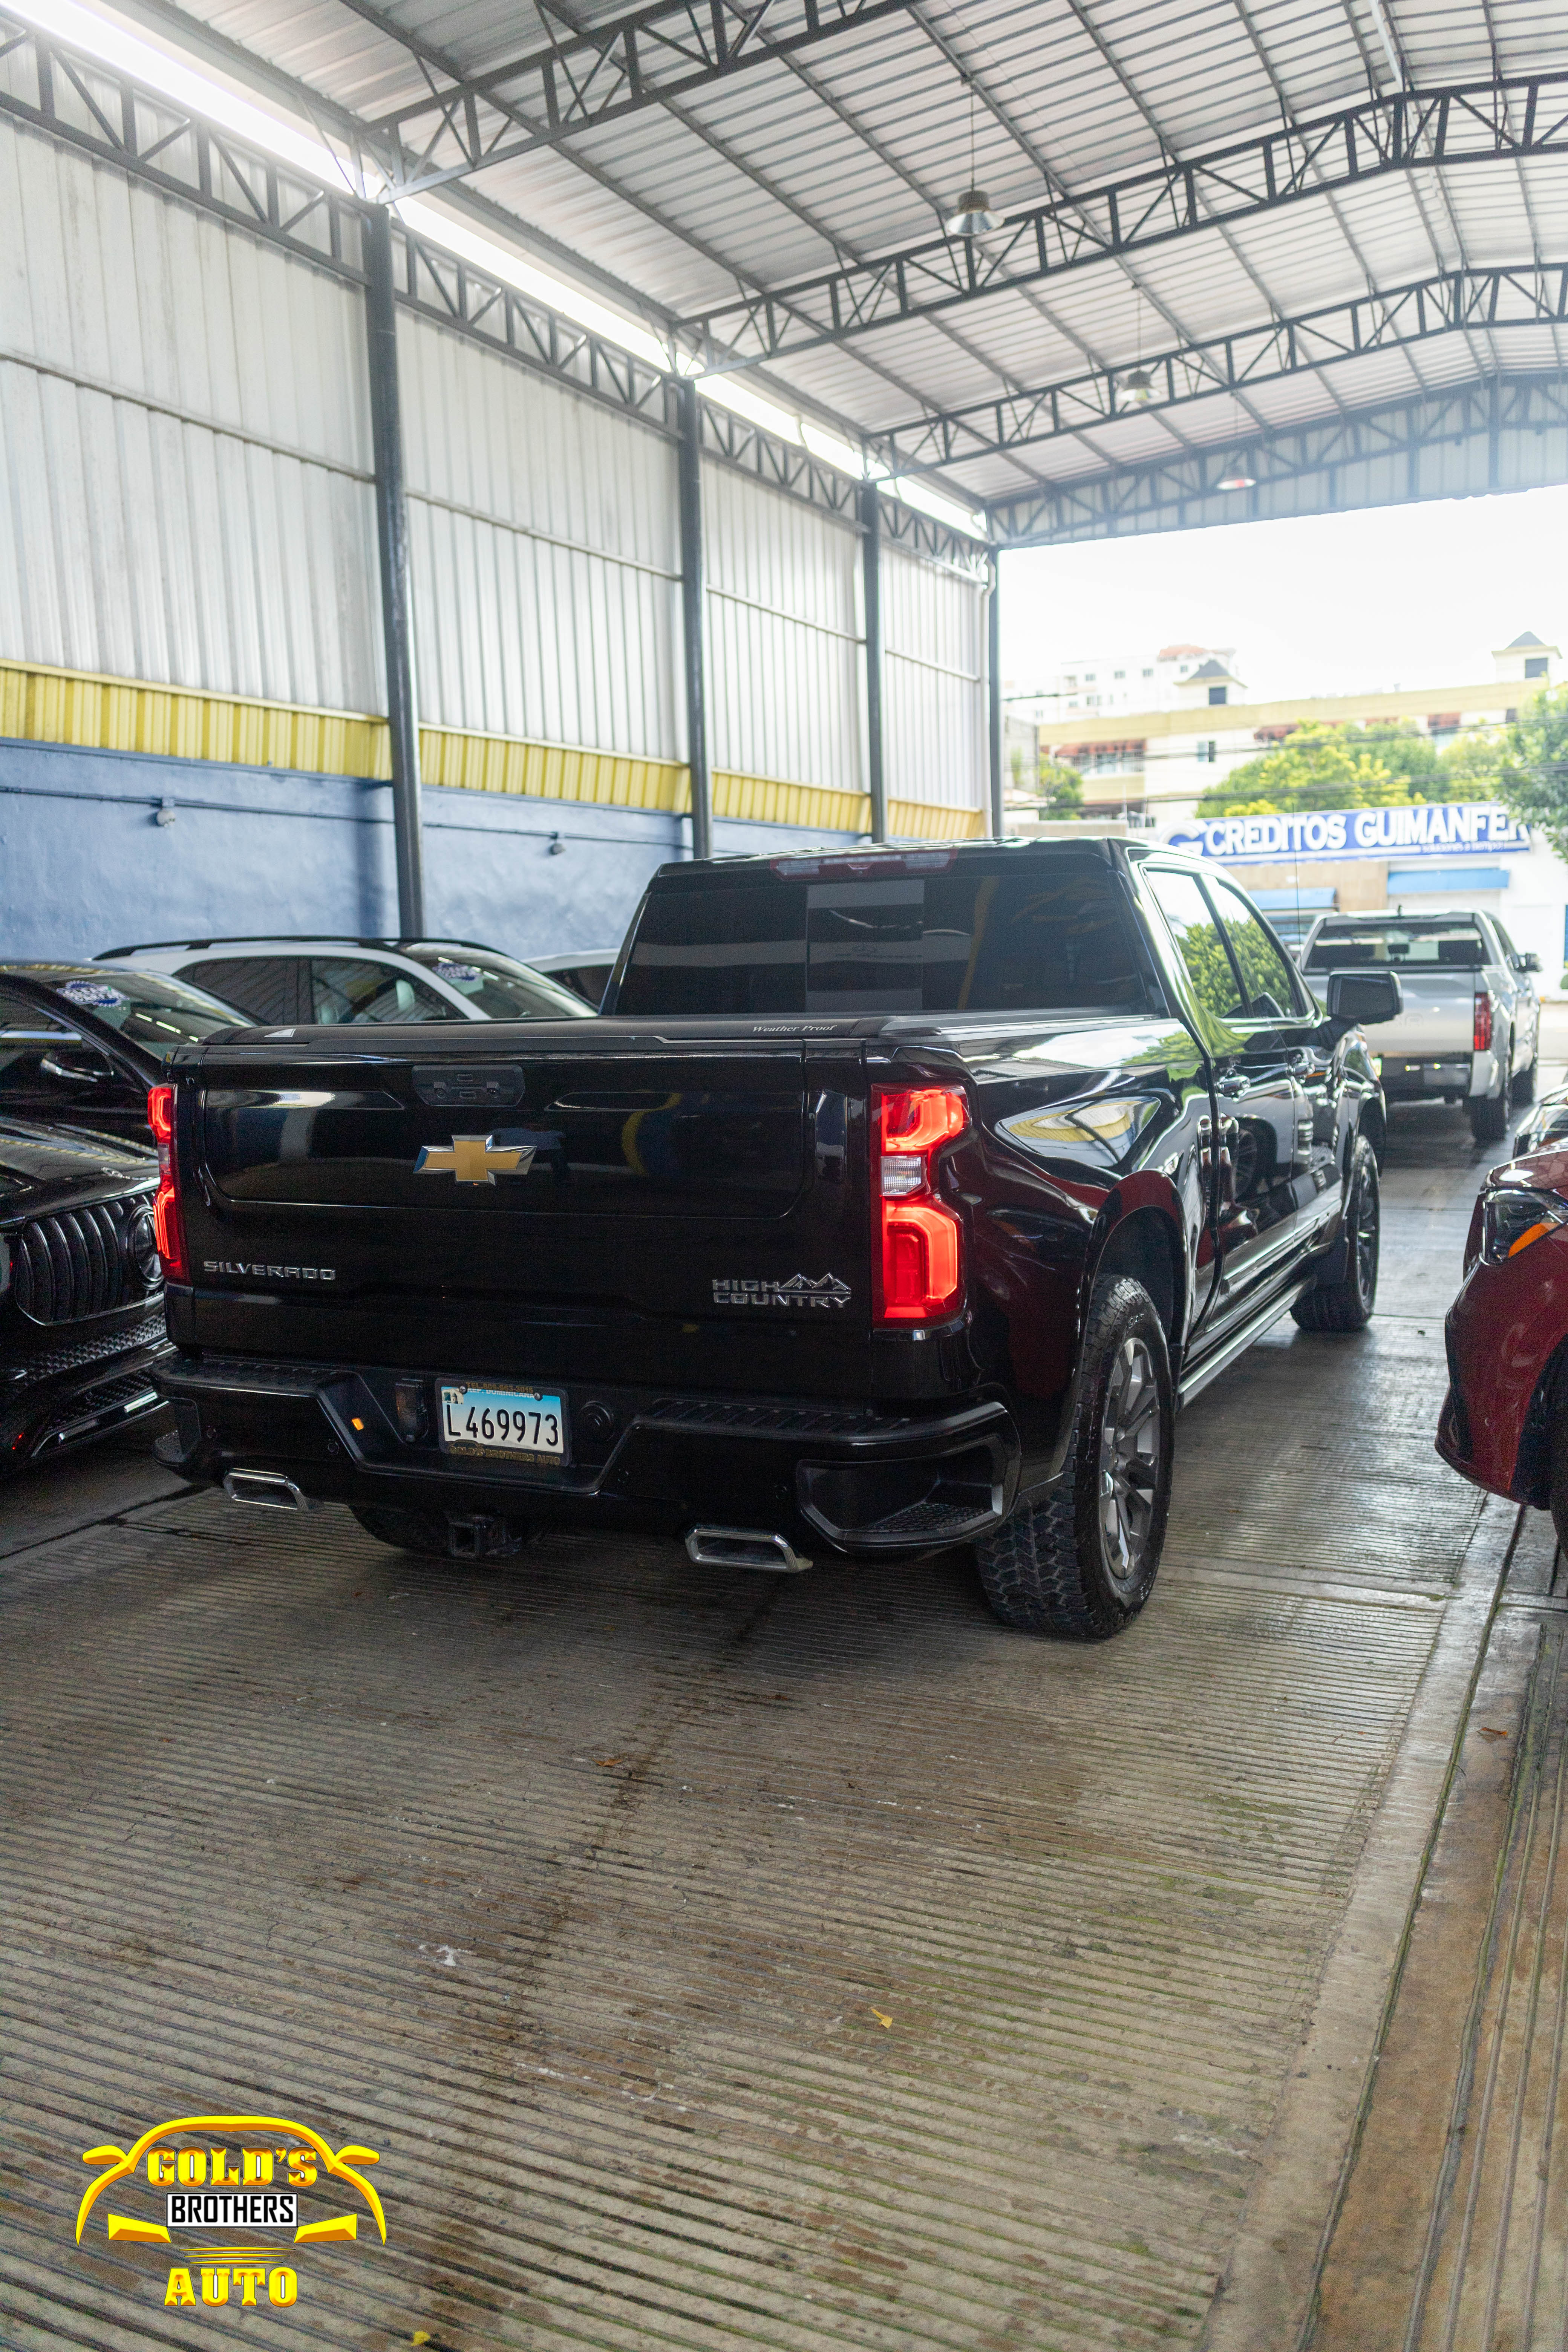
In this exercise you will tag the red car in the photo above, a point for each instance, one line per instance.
(1504, 1423)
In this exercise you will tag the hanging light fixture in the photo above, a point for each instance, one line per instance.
(1138, 386)
(971, 215)
(1238, 482)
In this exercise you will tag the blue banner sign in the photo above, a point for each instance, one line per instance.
(1441, 829)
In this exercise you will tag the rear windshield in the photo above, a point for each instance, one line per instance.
(499, 988)
(1050, 939)
(1434, 942)
(148, 1011)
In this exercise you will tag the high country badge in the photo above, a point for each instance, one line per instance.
(799, 1290)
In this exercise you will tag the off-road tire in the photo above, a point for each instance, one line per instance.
(1047, 1569)
(1490, 1114)
(1346, 1305)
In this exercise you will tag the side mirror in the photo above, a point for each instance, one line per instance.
(76, 1073)
(1528, 961)
(1361, 999)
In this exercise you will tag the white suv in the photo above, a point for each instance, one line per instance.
(290, 983)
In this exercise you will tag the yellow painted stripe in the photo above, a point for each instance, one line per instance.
(40, 704)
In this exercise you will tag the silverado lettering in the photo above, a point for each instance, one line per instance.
(273, 1273)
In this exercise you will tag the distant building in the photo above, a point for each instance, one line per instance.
(1148, 768)
(1153, 765)
(1106, 683)
(1526, 662)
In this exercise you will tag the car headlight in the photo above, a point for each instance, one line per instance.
(1513, 1217)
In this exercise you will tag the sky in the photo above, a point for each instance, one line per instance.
(1348, 603)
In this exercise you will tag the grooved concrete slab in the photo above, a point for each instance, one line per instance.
(714, 1961)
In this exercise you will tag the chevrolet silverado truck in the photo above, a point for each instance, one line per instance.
(897, 1202)
(1470, 1030)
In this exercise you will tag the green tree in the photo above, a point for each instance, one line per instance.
(1471, 769)
(1315, 767)
(1061, 789)
(1404, 749)
(1533, 769)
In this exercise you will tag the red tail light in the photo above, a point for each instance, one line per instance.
(920, 1262)
(1483, 1021)
(168, 1225)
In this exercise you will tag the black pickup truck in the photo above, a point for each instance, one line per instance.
(897, 1200)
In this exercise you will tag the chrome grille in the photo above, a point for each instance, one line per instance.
(86, 1262)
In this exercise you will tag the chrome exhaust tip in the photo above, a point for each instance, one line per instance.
(266, 1490)
(744, 1548)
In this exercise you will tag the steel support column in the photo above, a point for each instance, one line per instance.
(692, 597)
(871, 572)
(994, 693)
(391, 530)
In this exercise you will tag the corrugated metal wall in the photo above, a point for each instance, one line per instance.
(546, 555)
(933, 630)
(186, 439)
(785, 636)
(227, 544)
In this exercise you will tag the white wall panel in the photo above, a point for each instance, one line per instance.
(933, 683)
(544, 533)
(228, 545)
(785, 694)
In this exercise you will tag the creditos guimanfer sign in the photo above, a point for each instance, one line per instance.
(1441, 829)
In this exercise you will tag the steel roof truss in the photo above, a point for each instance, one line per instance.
(1178, 491)
(1404, 132)
(591, 75)
(1447, 302)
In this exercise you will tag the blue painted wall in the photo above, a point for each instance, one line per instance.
(85, 865)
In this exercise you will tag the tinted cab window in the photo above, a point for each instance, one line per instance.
(269, 989)
(1035, 937)
(1196, 932)
(1269, 986)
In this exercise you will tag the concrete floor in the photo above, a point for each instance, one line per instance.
(790, 1963)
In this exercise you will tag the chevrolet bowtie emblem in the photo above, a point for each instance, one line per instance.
(474, 1159)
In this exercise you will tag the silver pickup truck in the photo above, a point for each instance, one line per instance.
(1470, 1030)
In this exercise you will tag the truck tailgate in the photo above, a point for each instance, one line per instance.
(1438, 1019)
(528, 1199)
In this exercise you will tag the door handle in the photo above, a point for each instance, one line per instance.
(1230, 1087)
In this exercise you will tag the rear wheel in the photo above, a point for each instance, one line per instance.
(1082, 1563)
(1346, 1305)
(1489, 1115)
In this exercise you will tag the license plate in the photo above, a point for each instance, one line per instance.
(528, 1422)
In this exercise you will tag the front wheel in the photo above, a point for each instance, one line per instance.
(1489, 1115)
(1346, 1303)
(1082, 1563)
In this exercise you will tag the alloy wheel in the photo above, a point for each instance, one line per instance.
(1132, 1437)
(1365, 1238)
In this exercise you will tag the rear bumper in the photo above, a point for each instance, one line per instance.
(56, 1411)
(858, 1479)
(1412, 1078)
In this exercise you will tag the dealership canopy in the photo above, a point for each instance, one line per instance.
(1220, 260)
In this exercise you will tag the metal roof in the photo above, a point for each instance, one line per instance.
(1222, 220)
